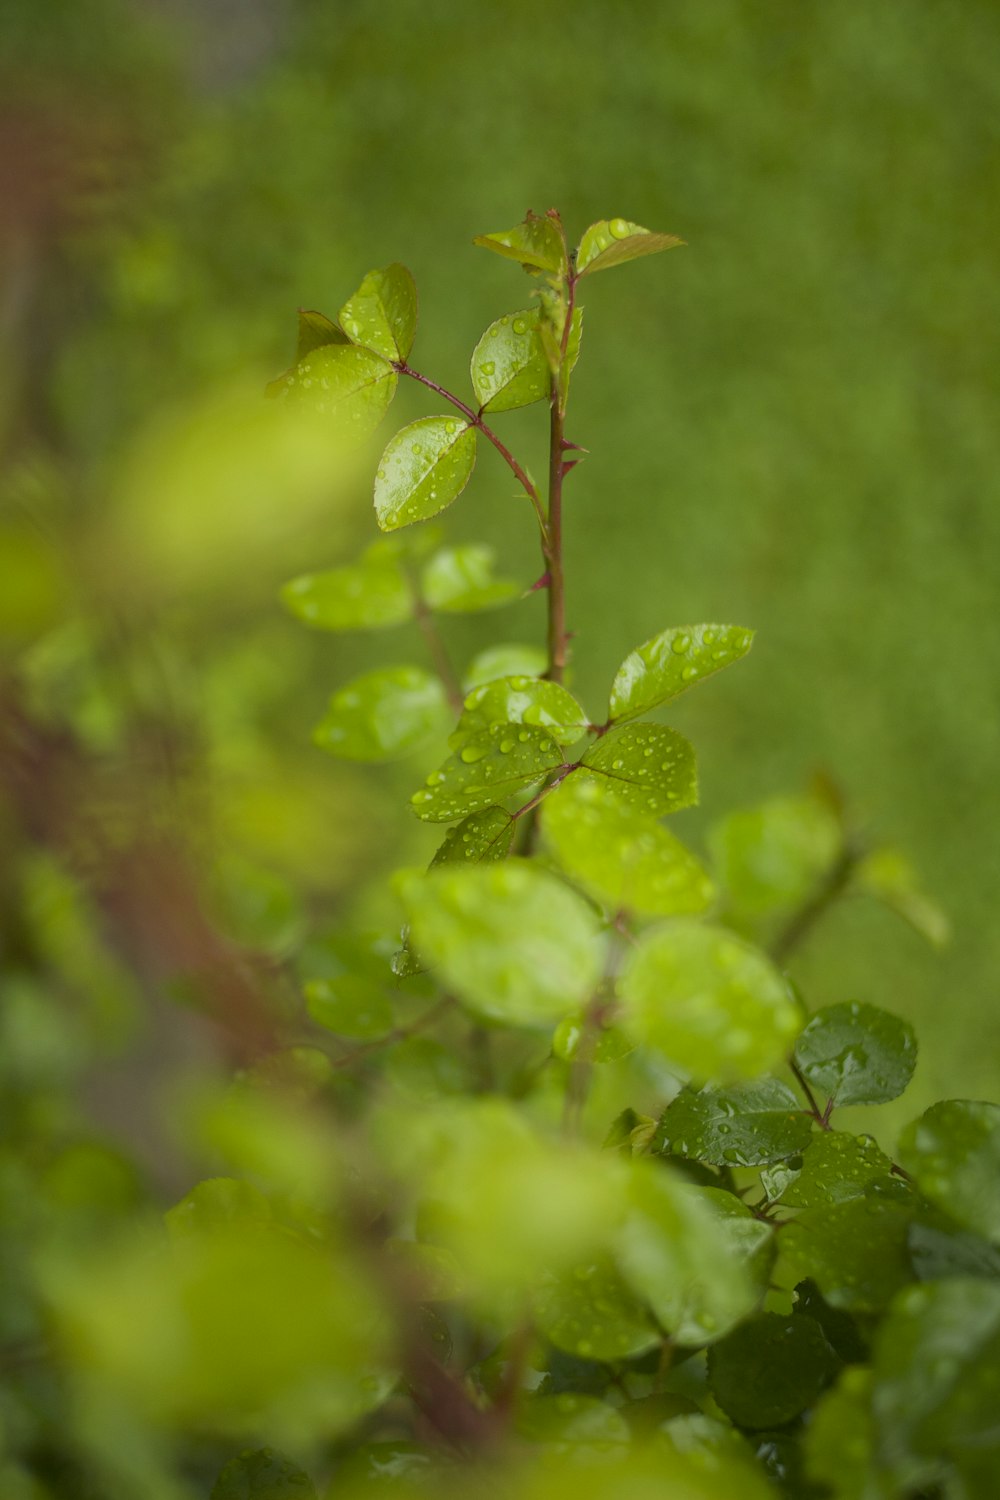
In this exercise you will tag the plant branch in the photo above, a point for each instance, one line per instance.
(831, 886)
(552, 537)
(439, 655)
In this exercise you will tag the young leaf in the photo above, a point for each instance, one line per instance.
(624, 857)
(521, 700)
(423, 469)
(315, 331)
(953, 1151)
(263, 1474)
(536, 244)
(383, 715)
(490, 767)
(611, 242)
(857, 1054)
(479, 838)
(516, 946)
(509, 368)
(647, 765)
(370, 595)
(354, 386)
(515, 660)
(589, 1311)
(744, 1125)
(836, 1167)
(459, 580)
(382, 314)
(856, 1252)
(770, 1369)
(708, 1003)
(889, 877)
(671, 662)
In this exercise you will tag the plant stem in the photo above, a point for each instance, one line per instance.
(832, 885)
(439, 655)
(552, 537)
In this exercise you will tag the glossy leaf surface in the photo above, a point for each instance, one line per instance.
(857, 1054)
(536, 244)
(481, 837)
(647, 765)
(424, 468)
(953, 1151)
(856, 1252)
(382, 314)
(459, 580)
(521, 700)
(770, 1369)
(744, 1125)
(515, 945)
(673, 661)
(353, 386)
(837, 1167)
(515, 660)
(383, 715)
(492, 765)
(624, 857)
(611, 242)
(708, 1003)
(590, 1312)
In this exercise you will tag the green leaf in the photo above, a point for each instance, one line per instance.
(383, 716)
(935, 1364)
(622, 856)
(748, 1237)
(836, 1168)
(648, 765)
(515, 944)
(354, 386)
(953, 1151)
(520, 700)
(856, 1252)
(315, 331)
(577, 1038)
(840, 1442)
(382, 314)
(710, 1004)
(509, 367)
(370, 595)
(263, 1474)
(423, 469)
(890, 878)
(219, 1203)
(939, 1248)
(611, 242)
(491, 766)
(744, 1125)
(426, 1070)
(536, 244)
(857, 1054)
(675, 1254)
(671, 662)
(459, 580)
(589, 1311)
(770, 857)
(350, 1005)
(570, 1423)
(770, 1369)
(479, 838)
(515, 660)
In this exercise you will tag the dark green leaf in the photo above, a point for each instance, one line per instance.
(382, 314)
(841, 1328)
(611, 242)
(491, 766)
(370, 595)
(624, 857)
(710, 1004)
(648, 765)
(515, 944)
(354, 386)
(521, 700)
(953, 1151)
(749, 1238)
(857, 1054)
(666, 666)
(836, 1168)
(481, 837)
(263, 1474)
(459, 580)
(383, 715)
(855, 1252)
(423, 469)
(840, 1443)
(504, 661)
(744, 1125)
(350, 1005)
(939, 1249)
(536, 244)
(589, 1311)
(770, 1369)
(770, 857)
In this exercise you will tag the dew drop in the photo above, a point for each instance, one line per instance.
(619, 228)
(487, 368)
(689, 674)
(520, 326)
(680, 644)
(472, 753)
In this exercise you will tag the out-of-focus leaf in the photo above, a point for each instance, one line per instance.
(382, 314)
(770, 857)
(520, 700)
(459, 580)
(857, 1054)
(624, 857)
(491, 766)
(840, 1443)
(855, 1252)
(263, 1474)
(770, 1369)
(590, 1312)
(575, 1038)
(504, 661)
(611, 242)
(516, 946)
(372, 594)
(939, 1248)
(671, 662)
(350, 1005)
(648, 765)
(216, 1204)
(890, 878)
(536, 244)
(383, 716)
(953, 1151)
(354, 386)
(315, 331)
(424, 468)
(749, 1238)
(479, 838)
(570, 1423)
(744, 1125)
(711, 1005)
(836, 1167)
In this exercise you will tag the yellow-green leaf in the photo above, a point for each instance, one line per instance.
(536, 244)
(490, 767)
(611, 242)
(648, 765)
(383, 715)
(382, 314)
(667, 665)
(423, 469)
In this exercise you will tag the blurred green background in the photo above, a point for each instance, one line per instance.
(792, 422)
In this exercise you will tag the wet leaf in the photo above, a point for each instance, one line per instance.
(424, 468)
(744, 1125)
(611, 242)
(671, 662)
(536, 244)
(459, 580)
(770, 1369)
(857, 1054)
(491, 766)
(856, 1252)
(520, 700)
(836, 1168)
(353, 386)
(479, 838)
(515, 660)
(647, 765)
(589, 1311)
(383, 716)
(953, 1151)
(382, 314)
